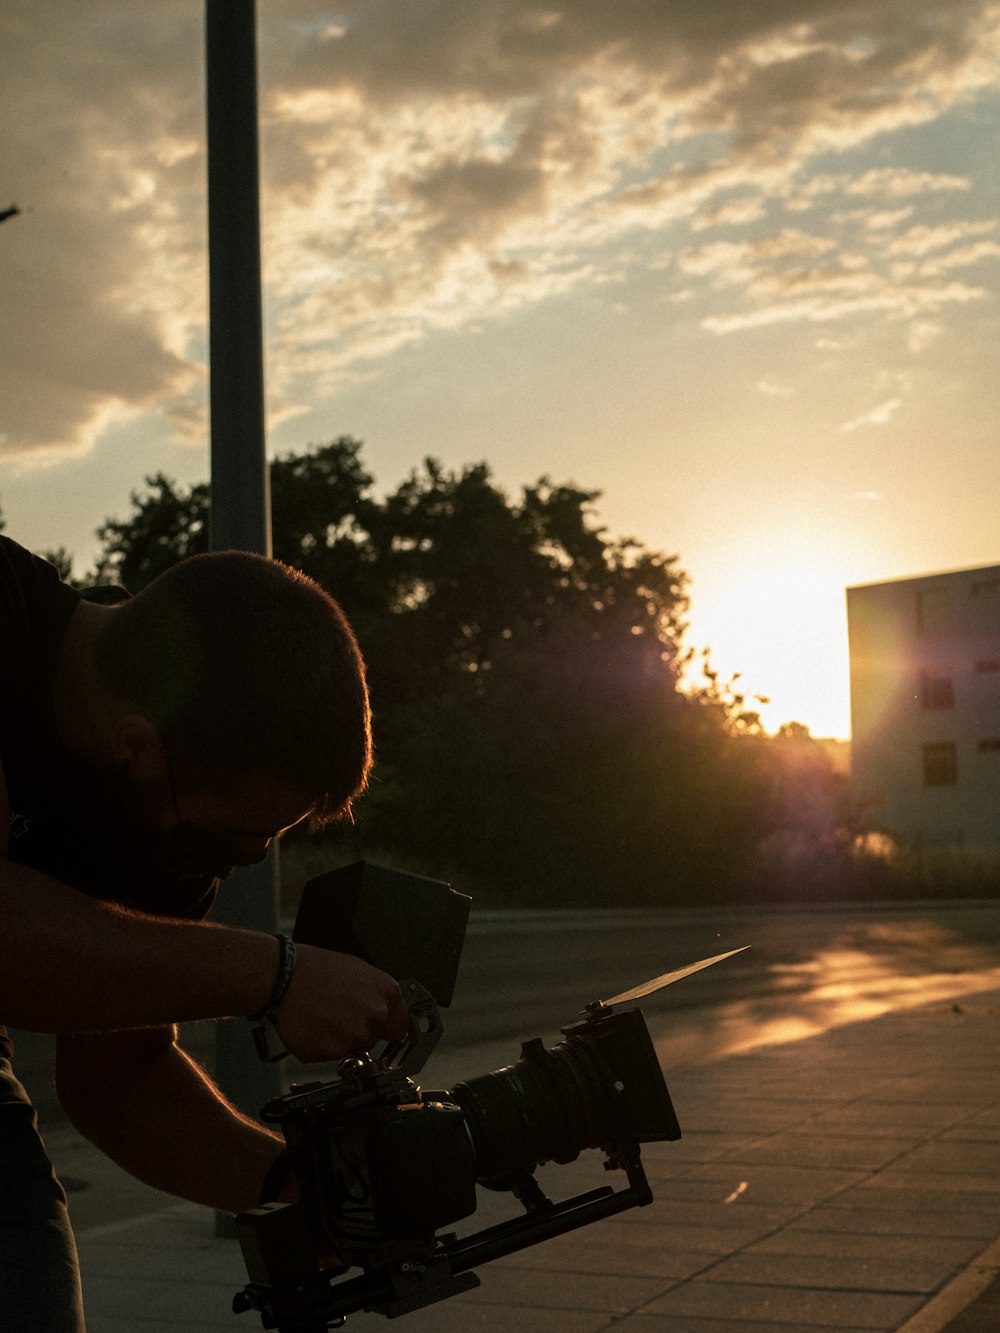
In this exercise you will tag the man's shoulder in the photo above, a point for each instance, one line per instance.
(14, 558)
(30, 586)
(29, 574)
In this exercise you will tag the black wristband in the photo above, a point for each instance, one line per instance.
(286, 970)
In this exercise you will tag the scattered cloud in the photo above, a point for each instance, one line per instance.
(878, 416)
(883, 183)
(922, 334)
(731, 213)
(432, 165)
(852, 270)
(922, 240)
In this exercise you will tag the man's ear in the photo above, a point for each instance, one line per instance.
(136, 744)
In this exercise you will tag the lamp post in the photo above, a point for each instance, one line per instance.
(240, 508)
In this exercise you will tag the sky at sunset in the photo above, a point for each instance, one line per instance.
(733, 264)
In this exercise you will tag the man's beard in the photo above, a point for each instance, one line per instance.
(184, 851)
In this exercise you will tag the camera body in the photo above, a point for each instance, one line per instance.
(378, 1162)
(382, 1165)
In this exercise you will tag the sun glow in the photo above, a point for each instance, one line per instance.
(779, 624)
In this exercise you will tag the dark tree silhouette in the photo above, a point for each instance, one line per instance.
(535, 738)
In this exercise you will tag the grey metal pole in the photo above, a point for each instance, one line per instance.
(240, 511)
(241, 516)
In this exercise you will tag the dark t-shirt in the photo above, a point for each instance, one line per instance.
(63, 819)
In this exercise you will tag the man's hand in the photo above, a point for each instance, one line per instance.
(337, 1006)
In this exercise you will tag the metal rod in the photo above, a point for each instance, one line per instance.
(240, 509)
(241, 517)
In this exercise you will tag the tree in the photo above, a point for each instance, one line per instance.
(533, 737)
(166, 525)
(318, 505)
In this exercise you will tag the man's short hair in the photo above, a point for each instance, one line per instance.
(247, 666)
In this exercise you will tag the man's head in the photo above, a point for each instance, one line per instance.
(239, 682)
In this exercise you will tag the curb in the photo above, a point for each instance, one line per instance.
(958, 1295)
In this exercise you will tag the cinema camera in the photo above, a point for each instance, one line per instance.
(382, 1165)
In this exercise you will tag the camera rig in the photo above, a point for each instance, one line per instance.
(382, 1165)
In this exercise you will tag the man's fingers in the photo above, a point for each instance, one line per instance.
(338, 1005)
(398, 1018)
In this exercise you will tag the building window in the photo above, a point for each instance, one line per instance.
(940, 760)
(936, 691)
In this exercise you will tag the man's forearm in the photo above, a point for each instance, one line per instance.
(70, 963)
(161, 1118)
(73, 964)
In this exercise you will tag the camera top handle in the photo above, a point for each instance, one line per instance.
(409, 1055)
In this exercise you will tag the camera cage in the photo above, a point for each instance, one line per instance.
(364, 1145)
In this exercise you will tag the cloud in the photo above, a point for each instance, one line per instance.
(922, 240)
(854, 270)
(885, 299)
(878, 416)
(102, 272)
(432, 164)
(884, 183)
(964, 256)
(731, 213)
(774, 388)
(922, 334)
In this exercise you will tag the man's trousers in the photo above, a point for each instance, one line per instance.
(39, 1271)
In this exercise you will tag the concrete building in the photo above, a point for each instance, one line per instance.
(925, 709)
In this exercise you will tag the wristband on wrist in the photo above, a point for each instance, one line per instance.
(287, 959)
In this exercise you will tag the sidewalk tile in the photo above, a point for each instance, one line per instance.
(873, 1216)
(457, 1315)
(714, 1240)
(789, 1306)
(565, 1291)
(875, 1118)
(166, 1299)
(796, 1239)
(643, 1322)
(742, 1215)
(832, 1272)
(958, 1158)
(927, 1088)
(799, 1148)
(575, 1255)
(789, 1186)
(982, 1192)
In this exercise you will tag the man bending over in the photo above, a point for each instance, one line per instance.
(146, 748)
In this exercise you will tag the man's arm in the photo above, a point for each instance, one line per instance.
(71, 963)
(152, 1110)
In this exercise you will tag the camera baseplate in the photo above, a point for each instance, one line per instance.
(400, 1287)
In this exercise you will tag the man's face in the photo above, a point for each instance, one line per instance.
(209, 825)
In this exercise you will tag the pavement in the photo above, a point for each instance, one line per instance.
(845, 1181)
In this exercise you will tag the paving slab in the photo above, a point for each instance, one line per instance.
(792, 1308)
(644, 1322)
(847, 1181)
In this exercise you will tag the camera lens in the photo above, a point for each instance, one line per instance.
(545, 1108)
(600, 1087)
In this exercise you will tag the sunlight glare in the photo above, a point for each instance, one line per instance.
(779, 621)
